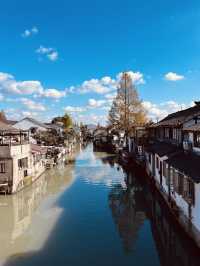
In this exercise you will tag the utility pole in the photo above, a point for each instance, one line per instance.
(125, 93)
(126, 102)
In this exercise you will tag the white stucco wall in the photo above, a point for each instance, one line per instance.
(148, 164)
(19, 152)
(4, 152)
(196, 207)
(157, 174)
(7, 176)
(181, 202)
(37, 169)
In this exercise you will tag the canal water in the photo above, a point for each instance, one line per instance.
(89, 213)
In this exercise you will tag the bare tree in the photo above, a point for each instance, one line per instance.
(127, 110)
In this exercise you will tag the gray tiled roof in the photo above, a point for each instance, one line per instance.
(34, 121)
(178, 118)
(8, 128)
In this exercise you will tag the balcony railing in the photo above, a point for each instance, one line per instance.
(5, 143)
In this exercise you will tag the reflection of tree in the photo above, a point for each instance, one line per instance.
(126, 214)
(108, 159)
(111, 160)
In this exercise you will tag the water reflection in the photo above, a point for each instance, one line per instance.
(172, 246)
(107, 217)
(25, 223)
(99, 168)
(126, 216)
(130, 207)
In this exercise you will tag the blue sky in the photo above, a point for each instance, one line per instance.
(59, 56)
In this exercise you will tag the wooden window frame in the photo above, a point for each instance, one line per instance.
(2, 167)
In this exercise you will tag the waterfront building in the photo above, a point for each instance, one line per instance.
(100, 136)
(20, 162)
(173, 161)
(14, 157)
(136, 142)
(37, 161)
(55, 128)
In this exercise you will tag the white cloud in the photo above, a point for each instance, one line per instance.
(171, 76)
(50, 52)
(53, 56)
(1, 97)
(137, 77)
(9, 85)
(31, 105)
(108, 81)
(28, 32)
(44, 50)
(53, 93)
(17, 114)
(28, 87)
(111, 96)
(161, 110)
(35, 30)
(29, 114)
(106, 85)
(5, 77)
(91, 119)
(92, 103)
(74, 109)
(96, 86)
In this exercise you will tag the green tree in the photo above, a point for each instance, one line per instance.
(67, 121)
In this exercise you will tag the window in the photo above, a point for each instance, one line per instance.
(197, 139)
(23, 163)
(170, 133)
(157, 163)
(191, 192)
(167, 133)
(150, 158)
(161, 168)
(174, 133)
(165, 170)
(2, 167)
(25, 173)
(188, 190)
(175, 180)
(180, 183)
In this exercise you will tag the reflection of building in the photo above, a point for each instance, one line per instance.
(127, 212)
(173, 248)
(137, 203)
(17, 232)
(16, 213)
